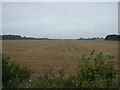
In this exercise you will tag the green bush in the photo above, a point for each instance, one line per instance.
(13, 74)
(96, 70)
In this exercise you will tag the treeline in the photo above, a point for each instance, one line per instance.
(94, 38)
(113, 37)
(18, 37)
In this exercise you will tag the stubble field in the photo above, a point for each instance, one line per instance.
(38, 54)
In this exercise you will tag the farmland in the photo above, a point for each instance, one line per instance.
(37, 54)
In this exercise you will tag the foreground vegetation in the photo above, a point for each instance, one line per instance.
(94, 71)
(13, 74)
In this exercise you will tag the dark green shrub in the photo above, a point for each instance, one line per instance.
(96, 70)
(13, 74)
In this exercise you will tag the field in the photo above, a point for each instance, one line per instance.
(38, 54)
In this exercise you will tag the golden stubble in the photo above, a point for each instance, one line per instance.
(41, 54)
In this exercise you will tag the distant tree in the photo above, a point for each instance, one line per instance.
(81, 38)
(113, 37)
(11, 37)
(18, 37)
(0, 37)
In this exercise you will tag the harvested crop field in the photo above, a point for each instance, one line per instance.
(38, 54)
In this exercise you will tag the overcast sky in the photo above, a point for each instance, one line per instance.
(60, 20)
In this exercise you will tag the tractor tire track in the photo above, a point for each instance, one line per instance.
(69, 47)
(74, 47)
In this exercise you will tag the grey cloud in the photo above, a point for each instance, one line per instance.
(60, 20)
